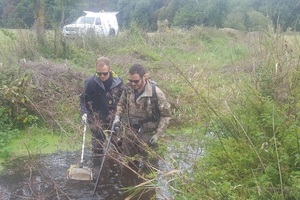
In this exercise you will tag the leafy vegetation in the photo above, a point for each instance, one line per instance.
(242, 15)
(252, 138)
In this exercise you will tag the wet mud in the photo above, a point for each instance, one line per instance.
(46, 177)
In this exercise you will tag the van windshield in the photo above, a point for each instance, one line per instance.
(85, 20)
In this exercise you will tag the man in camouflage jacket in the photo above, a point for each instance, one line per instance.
(137, 112)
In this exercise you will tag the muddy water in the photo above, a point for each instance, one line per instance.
(45, 177)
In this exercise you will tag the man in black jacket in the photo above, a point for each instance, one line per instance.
(98, 101)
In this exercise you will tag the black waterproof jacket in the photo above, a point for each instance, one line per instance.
(98, 102)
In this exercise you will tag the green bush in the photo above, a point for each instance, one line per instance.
(252, 141)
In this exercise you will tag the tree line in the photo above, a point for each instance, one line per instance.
(243, 15)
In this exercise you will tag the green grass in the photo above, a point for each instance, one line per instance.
(41, 141)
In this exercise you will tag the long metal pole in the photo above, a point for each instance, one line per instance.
(103, 159)
(82, 148)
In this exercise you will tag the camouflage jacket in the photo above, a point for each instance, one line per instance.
(142, 108)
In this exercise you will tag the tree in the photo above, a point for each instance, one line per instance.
(169, 10)
(255, 21)
(236, 20)
(144, 14)
(285, 13)
(39, 14)
(125, 7)
(216, 13)
(186, 19)
(195, 13)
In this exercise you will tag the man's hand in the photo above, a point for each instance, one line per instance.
(116, 120)
(116, 130)
(154, 139)
(84, 119)
(110, 116)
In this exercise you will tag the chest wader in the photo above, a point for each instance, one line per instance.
(133, 143)
(137, 124)
(97, 127)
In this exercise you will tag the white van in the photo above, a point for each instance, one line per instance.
(98, 23)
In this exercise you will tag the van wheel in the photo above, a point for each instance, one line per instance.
(112, 32)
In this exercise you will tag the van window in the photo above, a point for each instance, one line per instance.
(98, 21)
(85, 20)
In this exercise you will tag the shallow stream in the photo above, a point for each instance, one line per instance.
(45, 176)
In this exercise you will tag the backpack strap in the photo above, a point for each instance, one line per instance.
(154, 102)
(155, 111)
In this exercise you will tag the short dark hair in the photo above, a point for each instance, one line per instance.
(137, 69)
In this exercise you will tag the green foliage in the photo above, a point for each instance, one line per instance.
(235, 20)
(8, 130)
(80, 57)
(199, 13)
(248, 15)
(19, 43)
(256, 21)
(252, 142)
(247, 20)
(186, 19)
(39, 140)
(13, 94)
(7, 135)
(10, 35)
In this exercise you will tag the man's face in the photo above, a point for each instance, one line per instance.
(103, 72)
(137, 82)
